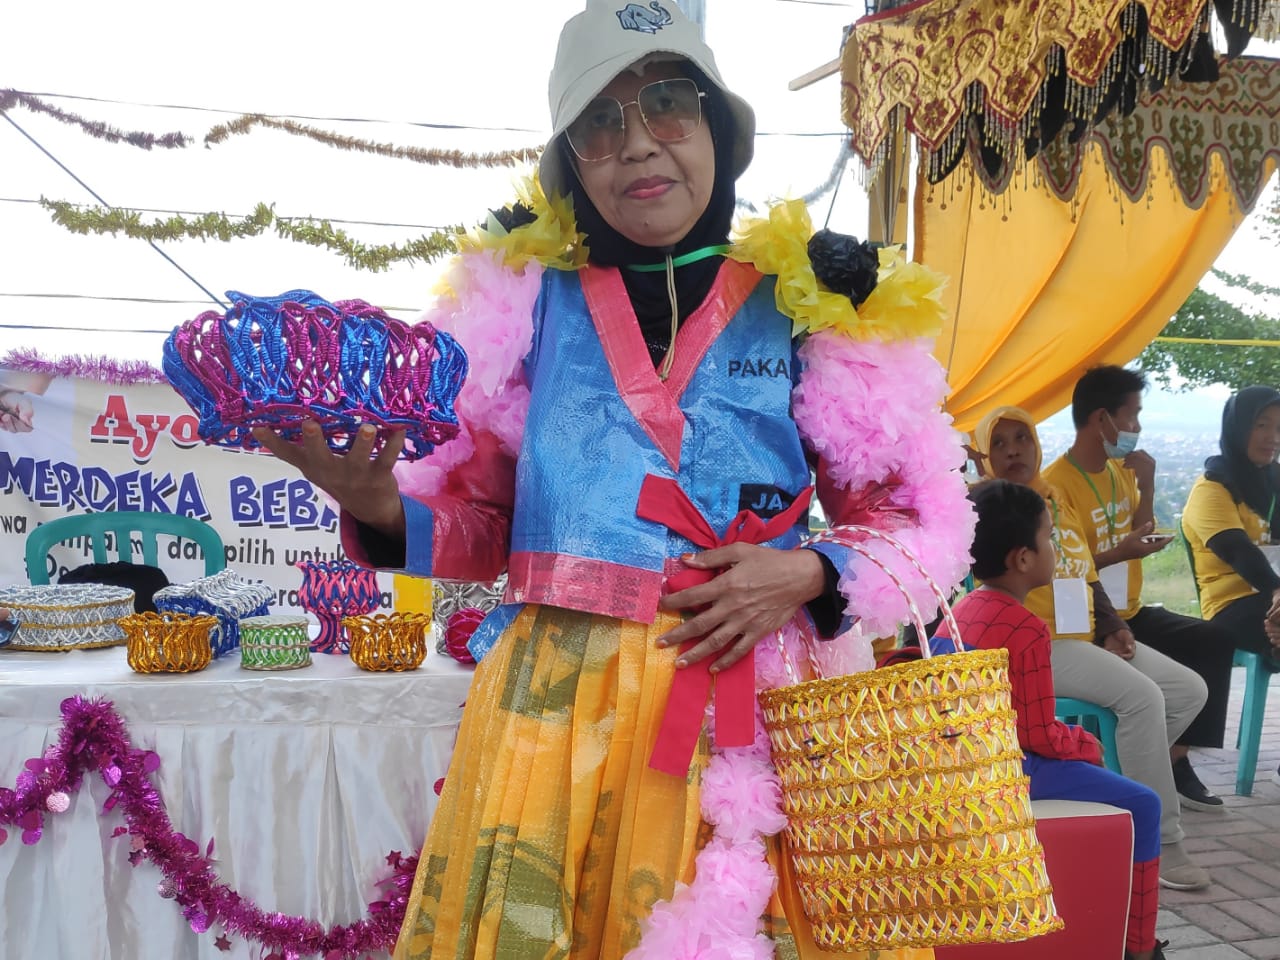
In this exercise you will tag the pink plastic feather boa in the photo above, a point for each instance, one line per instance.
(490, 312)
(874, 410)
(717, 916)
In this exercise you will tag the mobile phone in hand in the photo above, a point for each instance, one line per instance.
(1157, 538)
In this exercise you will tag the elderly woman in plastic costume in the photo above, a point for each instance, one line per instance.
(646, 410)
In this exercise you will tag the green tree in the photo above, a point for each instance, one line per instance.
(1208, 316)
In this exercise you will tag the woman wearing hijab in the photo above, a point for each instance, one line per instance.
(633, 393)
(1095, 657)
(1231, 524)
(1231, 521)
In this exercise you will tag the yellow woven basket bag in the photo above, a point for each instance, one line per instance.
(908, 816)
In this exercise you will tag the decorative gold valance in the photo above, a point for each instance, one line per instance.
(1237, 118)
(997, 78)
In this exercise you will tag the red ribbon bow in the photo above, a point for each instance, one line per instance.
(662, 501)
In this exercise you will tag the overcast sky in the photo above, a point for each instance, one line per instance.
(475, 63)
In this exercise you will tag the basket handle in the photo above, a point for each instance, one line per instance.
(853, 537)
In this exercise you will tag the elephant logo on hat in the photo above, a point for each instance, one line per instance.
(635, 17)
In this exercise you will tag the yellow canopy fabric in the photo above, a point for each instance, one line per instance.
(1042, 290)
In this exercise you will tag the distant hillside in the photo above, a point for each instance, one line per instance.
(1187, 414)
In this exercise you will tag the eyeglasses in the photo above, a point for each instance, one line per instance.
(671, 110)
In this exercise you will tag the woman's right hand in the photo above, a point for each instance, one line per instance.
(1136, 544)
(361, 483)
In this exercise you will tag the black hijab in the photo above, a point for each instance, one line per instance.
(1247, 483)
(607, 247)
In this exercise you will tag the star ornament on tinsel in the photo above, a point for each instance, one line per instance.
(278, 362)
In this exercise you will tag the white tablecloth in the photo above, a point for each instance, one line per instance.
(305, 779)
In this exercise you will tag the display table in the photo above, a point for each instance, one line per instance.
(304, 779)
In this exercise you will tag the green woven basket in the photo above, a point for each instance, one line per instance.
(275, 642)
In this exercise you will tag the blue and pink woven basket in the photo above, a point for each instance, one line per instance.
(279, 361)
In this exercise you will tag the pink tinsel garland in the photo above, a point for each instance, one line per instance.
(104, 369)
(93, 738)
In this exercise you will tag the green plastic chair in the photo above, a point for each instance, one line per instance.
(1257, 678)
(124, 525)
(1098, 720)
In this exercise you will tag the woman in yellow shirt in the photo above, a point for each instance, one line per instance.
(1231, 522)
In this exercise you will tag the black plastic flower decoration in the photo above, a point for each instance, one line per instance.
(844, 264)
(513, 217)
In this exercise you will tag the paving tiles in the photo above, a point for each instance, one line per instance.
(1266, 949)
(1238, 916)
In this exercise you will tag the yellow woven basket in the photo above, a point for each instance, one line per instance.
(388, 641)
(168, 642)
(909, 818)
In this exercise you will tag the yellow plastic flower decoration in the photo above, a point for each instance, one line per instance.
(552, 238)
(907, 300)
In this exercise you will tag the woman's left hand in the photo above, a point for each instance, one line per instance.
(758, 590)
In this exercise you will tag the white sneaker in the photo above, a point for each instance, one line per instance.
(1177, 872)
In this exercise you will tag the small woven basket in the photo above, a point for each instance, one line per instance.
(225, 595)
(67, 616)
(276, 642)
(908, 815)
(283, 361)
(168, 642)
(388, 641)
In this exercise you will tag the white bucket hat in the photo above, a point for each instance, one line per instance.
(605, 39)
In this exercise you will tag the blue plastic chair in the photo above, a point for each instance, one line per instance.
(1257, 678)
(1099, 721)
(123, 525)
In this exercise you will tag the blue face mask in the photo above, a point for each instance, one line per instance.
(1126, 443)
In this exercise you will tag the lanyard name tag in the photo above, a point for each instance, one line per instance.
(1070, 606)
(1115, 581)
(1272, 553)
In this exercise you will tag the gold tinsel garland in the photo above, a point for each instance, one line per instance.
(218, 226)
(459, 159)
(451, 158)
